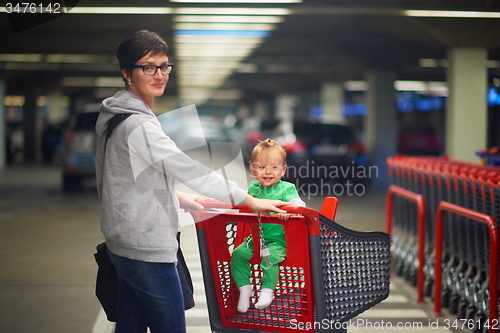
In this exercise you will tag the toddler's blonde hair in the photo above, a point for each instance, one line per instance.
(266, 148)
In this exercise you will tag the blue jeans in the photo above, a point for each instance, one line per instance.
(149, 295)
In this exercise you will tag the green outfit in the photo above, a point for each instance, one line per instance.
(274, 238)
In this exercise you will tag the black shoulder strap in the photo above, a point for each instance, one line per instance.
(115, 121)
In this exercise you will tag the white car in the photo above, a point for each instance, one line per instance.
(79, 149)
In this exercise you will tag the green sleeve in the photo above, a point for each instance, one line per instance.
(254, 190)
(290, 192)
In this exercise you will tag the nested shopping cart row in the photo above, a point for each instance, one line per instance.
(454, 205)
(330, 275)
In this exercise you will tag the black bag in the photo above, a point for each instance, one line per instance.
(185, 277)
(107, 282)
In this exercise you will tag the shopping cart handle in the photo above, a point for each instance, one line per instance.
(212, 203)
(310, 216)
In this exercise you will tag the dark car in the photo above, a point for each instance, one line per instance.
(419, 139)
(323, 151)
(52, 138)
(78, 152)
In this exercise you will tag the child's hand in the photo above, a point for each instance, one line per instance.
(283, 216)
(263, 206)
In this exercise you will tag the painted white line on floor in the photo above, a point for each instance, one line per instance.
(396, 298)
(394, 313)
(102, 325)
(424, 329)
(197, 313)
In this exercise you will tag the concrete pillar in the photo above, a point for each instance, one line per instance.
(3, 139)
(56, 113)
(467, 113)
(380, 124)
(285, 106)
(332, 99)
(260, 109)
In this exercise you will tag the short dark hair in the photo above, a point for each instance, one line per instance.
(137, 45)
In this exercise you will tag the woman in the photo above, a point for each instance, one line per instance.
(136, 171)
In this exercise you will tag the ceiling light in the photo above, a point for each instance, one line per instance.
(424, 62)
(229, 33)
(121, 10)
(203, 71)
(209, 64)
(428, 62)
(77, 81)
(212, 53)
(13, 100)
(217, 39)
(228, 19)
(102, 82)
(355, 85)
(231, 11)
(21, 57)
(422, 86)
(197, 83)
(209, 47)
(248, 68)
(227, 94)
(78, 58)
(238, 1)
(224, 26)
(451, 13)
(109, 82)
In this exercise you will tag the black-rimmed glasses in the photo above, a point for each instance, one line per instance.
(151, 69)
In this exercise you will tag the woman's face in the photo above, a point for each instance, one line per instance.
(148, 86)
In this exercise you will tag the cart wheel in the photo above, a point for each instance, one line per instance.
(454, 299)
(445, 297)
(413, 278)
(462, 309)
(471, 312)
(478, 326)
(408, 275)
(428, 289)
(399, 269)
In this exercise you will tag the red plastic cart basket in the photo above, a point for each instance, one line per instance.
(331, 274)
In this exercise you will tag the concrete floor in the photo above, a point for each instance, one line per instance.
(47, 242)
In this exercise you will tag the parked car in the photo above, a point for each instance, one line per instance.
(52, 138)
(325, 151)
(200, 137)
(15, 142)
(419, 139)
(78, 149)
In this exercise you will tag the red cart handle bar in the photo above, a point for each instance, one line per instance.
(311, 216)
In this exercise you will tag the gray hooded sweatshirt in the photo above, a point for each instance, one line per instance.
(136, 173)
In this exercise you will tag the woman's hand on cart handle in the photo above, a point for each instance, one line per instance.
(263, 206)
(189, 202)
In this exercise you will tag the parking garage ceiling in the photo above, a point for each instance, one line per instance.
(313, 41)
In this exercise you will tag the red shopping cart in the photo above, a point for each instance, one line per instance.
(330, 275)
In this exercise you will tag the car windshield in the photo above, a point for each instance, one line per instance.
(316, 133)
(86, 121)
